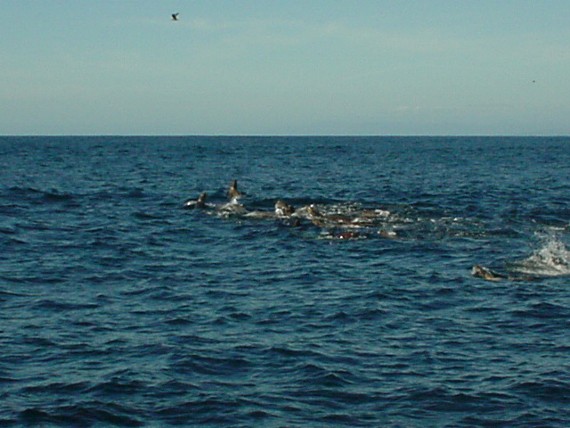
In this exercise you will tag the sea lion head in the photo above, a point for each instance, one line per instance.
(485, 273)
(283, 209)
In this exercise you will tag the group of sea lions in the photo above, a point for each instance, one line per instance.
(347, 223)
(341, 225)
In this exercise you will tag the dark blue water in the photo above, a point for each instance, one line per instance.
(119, 307)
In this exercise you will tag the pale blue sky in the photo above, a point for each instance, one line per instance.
(285, 67)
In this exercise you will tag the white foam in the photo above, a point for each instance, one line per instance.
(552, 258)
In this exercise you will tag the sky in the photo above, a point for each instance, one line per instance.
(285, 67)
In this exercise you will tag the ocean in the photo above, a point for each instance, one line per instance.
(119, 306)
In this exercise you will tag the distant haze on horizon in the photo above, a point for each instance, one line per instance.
(285, 67)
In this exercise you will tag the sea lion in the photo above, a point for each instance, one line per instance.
(369, 217)
(313, 214)
(283, 209)
(390, 234)
(347, 234)
(486, 273)
(233, 193)
(198, 203)
(259, 214)
(489, 275)
(232, 209)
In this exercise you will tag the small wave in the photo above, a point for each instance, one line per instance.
(36, 196)
(53, 305)
(118, 386)
(210, 365)
(205, 411)
(321, 378)
(55, 196)
(47, 195)
(289, 352)
(79, 415)
(24, 191)
(139, 215)
(4, 294)
(543, 310)
(547, 390)
(339, 317)
(57, 388)
(178, 321)
(10, 242)
(8, 230)
(39, 342)
(136, 193)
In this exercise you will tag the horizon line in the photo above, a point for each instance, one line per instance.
(294, 135)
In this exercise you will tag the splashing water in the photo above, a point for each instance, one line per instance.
(552, 258)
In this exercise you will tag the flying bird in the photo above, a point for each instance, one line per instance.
(175, 16)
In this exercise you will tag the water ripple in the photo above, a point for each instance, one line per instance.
(121, 308)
